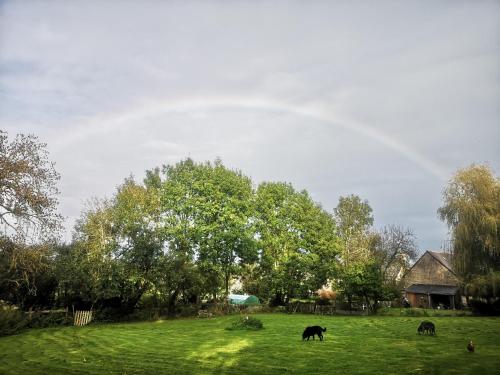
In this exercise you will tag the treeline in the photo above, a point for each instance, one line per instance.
(184, 234)
(191, 232)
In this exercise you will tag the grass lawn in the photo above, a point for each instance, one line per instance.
(352, 345)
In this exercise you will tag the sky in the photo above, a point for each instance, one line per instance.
(385, 99)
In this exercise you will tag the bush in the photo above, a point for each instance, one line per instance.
(246, 323)
(48, 319)
(394, 311)
(187, 311)
(415, 312)
(116, 315)
(480, 307)
(326, 296)
(11, 321)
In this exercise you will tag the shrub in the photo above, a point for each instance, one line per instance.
(481, 307)
(392, 311)
(326, 296)
(11, 321)
(187, 311)
(49, 319)
(246, 323)
(415, 312)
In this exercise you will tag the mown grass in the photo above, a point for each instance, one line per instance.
(352, 345)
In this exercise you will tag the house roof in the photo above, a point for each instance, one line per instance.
(446, 290)
(443, 258)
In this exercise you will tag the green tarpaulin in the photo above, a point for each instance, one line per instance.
(243, 299)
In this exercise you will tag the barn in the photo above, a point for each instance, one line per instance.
(432, 283)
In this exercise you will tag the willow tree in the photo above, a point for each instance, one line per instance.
(472, 211)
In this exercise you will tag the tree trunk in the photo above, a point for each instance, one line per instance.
(226, 283)
(171, 303)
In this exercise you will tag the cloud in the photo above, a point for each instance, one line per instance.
(384, 100)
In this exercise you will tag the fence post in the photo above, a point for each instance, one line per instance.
(82, 318)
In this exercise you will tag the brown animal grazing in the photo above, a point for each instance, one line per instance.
(311, 331)
(426, 327)
(470, 347)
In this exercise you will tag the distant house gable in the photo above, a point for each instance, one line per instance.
(431, 281)
(432, 268)
(444, 259)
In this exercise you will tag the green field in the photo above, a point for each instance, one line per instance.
(352, 345)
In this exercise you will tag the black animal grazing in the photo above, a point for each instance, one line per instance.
(426, 327)
(470, 347)
(311, 331)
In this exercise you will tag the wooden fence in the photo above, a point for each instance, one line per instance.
(82, 318)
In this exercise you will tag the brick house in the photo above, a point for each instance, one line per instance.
(431, 282)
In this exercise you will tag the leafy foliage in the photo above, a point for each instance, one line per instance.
(28, 218)
(181, 233)
(297, 244)
(472, 211)
(13, 320)
(28, 192)
(25, 273)
(363, 281)
(354, 219)
(209, 210)
(485, 286)
(246, 323)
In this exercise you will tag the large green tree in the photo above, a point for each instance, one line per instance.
(297, 242)
(363, 281)
(140, 244)
(207, 210)
(178, 273)
(185, 230)
(471, 208)
(118, 245)
(354, 219)
(88, 269)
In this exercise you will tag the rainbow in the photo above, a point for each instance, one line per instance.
(151, 108)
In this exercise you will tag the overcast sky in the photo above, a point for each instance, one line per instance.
(384, 99)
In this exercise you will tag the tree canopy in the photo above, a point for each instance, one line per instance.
(354, 219)
(185, 233)
(28, 214)
(28, 189)
(297, 242)
(207, 210)
(471, 208)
